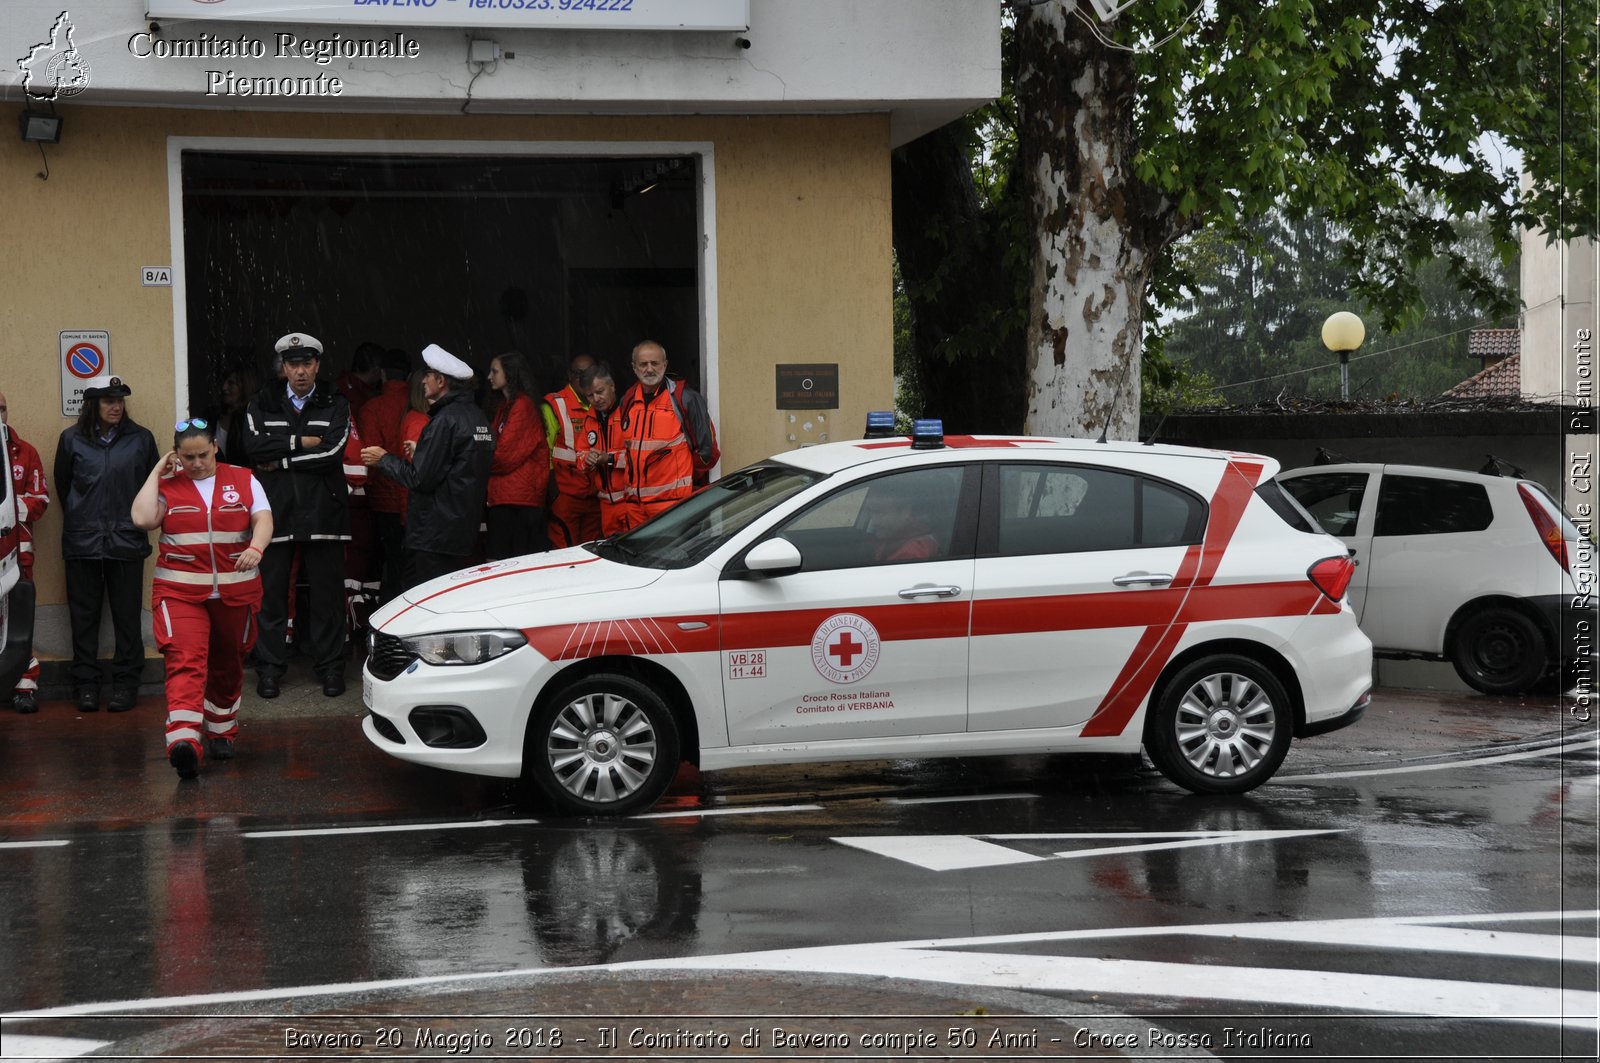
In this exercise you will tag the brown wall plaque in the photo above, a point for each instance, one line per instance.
(809, 386)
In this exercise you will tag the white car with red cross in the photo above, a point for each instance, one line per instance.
(892, 597)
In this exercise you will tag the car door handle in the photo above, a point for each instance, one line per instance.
(928, 590)
(1142, 579)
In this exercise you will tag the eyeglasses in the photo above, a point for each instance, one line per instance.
(193, 422)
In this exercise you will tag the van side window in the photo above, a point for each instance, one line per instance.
(1334, 498)
(1418, 505)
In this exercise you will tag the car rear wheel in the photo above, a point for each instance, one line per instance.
(1222, 725)
(1499, 650)
(605, 745)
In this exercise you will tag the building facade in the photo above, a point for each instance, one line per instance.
(546, 176)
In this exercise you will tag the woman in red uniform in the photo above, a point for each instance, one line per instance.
(520, 472)
(215, 523)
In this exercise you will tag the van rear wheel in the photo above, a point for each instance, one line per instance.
(1499, 650)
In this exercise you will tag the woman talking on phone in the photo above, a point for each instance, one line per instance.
(215, 523)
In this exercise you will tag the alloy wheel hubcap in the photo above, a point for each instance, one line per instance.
(1225, 725)
(601, 747)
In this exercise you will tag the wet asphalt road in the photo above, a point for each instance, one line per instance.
(1438, 859)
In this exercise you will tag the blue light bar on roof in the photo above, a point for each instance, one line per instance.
(927, 433)
(880, 423)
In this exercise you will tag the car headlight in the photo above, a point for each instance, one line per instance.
(464, 647)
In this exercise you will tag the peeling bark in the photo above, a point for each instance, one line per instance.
(1096, 230)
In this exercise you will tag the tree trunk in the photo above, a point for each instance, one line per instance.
(1096, 229)
(969, 376)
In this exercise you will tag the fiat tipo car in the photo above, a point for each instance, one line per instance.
(893, 597)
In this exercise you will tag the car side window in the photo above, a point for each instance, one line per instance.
(1334, 498)
(895, 519)
(1047, 509)
(1423, 505)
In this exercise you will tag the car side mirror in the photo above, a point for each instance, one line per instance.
(773, 558)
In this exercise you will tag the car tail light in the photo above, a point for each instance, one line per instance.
(1332, 576)
(1549, 530)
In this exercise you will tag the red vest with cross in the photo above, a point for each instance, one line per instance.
(200, 547)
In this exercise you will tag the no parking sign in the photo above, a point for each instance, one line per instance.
(84, 355)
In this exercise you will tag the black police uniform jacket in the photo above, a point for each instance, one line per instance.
(305, 485)
(448, 477)
(96, 483)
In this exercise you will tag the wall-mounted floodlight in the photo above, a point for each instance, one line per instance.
(41, 128)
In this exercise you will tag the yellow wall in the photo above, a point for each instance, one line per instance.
(803, 257)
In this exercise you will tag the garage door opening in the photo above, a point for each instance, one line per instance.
(480, 254)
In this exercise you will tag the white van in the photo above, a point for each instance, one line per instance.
(1479, 569)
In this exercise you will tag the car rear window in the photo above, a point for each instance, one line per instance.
(1283, 504)
(1425, 505)
(1333, 499)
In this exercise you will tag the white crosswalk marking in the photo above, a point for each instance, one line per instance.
(1285, 986)
(953, 852)
(982, 961)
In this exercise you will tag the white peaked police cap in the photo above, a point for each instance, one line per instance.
(105, 386)
(442, 361)
(297, 346)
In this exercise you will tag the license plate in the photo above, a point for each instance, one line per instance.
(366, 689)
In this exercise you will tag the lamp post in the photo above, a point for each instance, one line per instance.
(1343, 332)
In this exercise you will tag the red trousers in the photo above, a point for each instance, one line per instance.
(616, 518)
(204, 644)
(573, 520)
(30, 677)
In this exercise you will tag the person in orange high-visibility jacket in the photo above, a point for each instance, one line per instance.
(574, 512)
(215, 524)
(33, 498)
(602, 448)
(660, 462)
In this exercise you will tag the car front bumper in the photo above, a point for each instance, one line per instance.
(495, 698)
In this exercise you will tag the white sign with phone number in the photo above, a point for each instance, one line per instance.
(730, 15)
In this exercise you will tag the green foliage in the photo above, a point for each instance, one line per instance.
(1370, 112)
(1253, 318)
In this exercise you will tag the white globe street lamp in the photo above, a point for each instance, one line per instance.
(1343, 332)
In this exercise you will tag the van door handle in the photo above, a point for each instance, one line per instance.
(928, 590)
(1142, 579)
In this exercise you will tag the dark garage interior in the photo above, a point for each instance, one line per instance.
(549, 256)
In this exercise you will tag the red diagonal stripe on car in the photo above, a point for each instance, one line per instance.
(1155, 646)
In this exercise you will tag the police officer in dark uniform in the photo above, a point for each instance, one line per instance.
(448, 474)
(295, 434)
(97, 474)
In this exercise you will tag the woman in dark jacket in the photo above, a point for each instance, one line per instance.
(521, 468)
(100, 463)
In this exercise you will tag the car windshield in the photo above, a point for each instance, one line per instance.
(690, 531)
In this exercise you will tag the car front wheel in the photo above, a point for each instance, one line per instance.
(605, 745)
(1222, 725)
(1499, 651)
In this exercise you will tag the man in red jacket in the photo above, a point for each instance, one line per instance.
(379, 425)
(33, 498)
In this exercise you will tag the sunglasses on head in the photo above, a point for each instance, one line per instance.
(193, 422)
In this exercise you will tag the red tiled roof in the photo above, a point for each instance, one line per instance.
(1494, 342)
(1503, 379)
